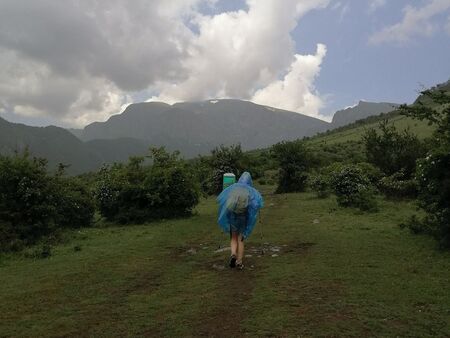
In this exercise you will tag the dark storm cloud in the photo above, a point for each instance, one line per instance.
(130, 44)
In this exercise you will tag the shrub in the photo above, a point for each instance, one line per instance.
(76, 206)
(373, 173)
(34, 203)
(321, 185)
(294, 161)
(396, 186)
(223, 159)
(393, 151)
(353, 189)
(137, 193)
(433, 174)
(433, 177)
(27, 200)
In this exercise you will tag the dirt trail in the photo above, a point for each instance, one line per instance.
(236, 292)
(235, 295)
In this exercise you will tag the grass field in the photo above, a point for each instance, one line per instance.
(315, 270)
(401, 122)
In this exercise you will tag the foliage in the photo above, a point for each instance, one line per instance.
(353, 189)
(397, 186)
(343, 152)
(34, 203)
(76, 206)
(433, 174)
(223, 159)
(294, 160)
(320, 184)
(392, 151)
(27, 201)
(137, 193)
(373, 173)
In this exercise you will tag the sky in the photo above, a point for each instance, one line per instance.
(70, 63)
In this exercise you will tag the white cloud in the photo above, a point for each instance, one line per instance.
(344, 11)
(296, 90)
(336, 5)
(374, 5)
(237, 53)
(447, 26)
(79, 61)
(415, 22)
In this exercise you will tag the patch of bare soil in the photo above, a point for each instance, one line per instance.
(224, 319)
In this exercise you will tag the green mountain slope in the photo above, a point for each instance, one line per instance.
(197, 127)
(58, 145)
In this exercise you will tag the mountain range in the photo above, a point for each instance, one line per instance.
(360, 111)
(193, 128)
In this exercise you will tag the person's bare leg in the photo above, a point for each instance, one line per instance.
(234, 243)
(234, 247)
(240, 250)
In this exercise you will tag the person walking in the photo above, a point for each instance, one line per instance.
(238, 210)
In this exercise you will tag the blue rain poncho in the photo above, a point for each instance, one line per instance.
(255, 202)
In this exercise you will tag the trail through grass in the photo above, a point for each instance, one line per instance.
(316, 270)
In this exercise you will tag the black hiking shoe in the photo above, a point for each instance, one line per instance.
(233, 261)
(240, 266)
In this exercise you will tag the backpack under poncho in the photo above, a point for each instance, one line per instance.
(237, 201)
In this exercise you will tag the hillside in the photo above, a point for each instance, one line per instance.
(354, 131)
(57, 145)
(197, 127)
(192, 128)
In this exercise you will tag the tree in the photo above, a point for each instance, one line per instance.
(294, 161)
(393, 151)
(433, 174)
(223, 160)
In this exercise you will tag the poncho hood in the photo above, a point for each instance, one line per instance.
(246, 178)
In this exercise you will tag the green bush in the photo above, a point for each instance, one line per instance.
(373, 173)
(34, 203)
(76, 206)
(138, 193)
(393, 151)
(321, 185)
(294, 160)
(27, 200)
(353, 189)
(433, 174)
(433, 177)
(223, 159)
(396, 186)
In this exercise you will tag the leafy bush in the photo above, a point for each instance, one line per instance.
(353, 189)
(76, 206)
(373, 173)
(137, 193)
(223, 159)
(294, 160)
(396, 186)
(321, 185)
(433, 174)
(27, 200)
(34, 203)
(393, 151)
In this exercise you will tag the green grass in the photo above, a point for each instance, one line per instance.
(338, 273)
(401, 122)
